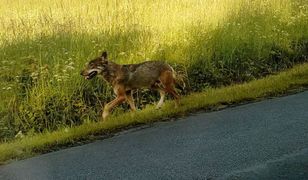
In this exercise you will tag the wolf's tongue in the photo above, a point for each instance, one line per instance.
(92, 74)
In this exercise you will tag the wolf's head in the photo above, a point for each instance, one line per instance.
(95, 66)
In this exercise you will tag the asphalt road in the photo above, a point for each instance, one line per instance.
(263, 140)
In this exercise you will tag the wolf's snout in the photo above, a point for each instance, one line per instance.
(88, 75)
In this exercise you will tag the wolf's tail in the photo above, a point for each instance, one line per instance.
(181, 79)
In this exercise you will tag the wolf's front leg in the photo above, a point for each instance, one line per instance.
(108, 107)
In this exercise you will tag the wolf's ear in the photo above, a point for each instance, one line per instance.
(104, 55)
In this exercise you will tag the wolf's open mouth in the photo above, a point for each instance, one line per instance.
(91, 75)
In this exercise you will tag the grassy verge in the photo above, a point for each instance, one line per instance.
(270, 86)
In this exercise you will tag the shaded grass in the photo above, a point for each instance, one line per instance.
(269, 86)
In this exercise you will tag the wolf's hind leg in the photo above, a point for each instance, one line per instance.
(175, 95)
(168, 81)
(161, 100)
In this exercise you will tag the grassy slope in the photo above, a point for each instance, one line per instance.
(270, 86)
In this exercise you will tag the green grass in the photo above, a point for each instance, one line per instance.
(273, 85)
(44, 44)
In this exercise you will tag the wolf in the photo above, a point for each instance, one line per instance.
(126, 78)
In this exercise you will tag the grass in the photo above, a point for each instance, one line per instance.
(273, 85)
(44, 45)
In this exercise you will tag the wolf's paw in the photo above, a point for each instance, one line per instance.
(105, 115)
(158, 107)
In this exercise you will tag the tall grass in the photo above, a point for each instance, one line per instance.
(44, 44)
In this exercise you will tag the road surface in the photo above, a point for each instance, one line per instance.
(263, 140)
